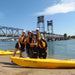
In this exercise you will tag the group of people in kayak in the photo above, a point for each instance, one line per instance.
(34, 44)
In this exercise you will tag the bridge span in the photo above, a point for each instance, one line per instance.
(9, 31)
(54, 37)
(13, 33)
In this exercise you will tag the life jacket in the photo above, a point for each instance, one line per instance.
(23, 39)
(41, 44)
(29, 39)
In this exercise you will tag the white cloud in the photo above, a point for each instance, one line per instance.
(65, 7)
(67, 1)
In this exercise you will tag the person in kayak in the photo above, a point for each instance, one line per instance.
(21, 44)
(42, 47)
(34, 52)
(29, 39)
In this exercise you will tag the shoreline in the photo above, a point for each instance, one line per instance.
(7, 69)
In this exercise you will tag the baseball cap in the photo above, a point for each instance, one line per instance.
(37, 28)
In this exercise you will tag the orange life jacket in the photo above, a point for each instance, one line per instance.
(42, 44)
(22, 39)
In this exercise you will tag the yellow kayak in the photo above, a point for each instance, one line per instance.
(43, 63)
(8, 52)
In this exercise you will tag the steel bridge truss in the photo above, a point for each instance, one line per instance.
(9, 31)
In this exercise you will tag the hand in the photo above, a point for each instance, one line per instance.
(35, 44)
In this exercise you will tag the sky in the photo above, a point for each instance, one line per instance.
(23, 14)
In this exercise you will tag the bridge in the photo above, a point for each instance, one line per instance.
(52, 37)
(49, 34)
(16, 32)
(9, 31)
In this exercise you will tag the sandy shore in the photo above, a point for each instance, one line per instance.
(7, 69)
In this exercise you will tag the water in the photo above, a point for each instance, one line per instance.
(64, 49)
(7, 45)
(61, 49)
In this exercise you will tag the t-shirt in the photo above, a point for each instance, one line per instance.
(41, 35)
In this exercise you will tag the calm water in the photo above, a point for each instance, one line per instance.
(62, 49)
(57, 49)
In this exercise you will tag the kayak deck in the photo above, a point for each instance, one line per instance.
(43, 63)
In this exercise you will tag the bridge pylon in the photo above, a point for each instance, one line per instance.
(40, 23)
(50, 24)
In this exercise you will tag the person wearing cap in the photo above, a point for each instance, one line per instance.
(38, 33)
(21, 44)
(34, 47)
(29, 38)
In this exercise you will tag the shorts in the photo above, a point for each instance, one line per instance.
(34, 53)
(42, 53)
(17, 46)
(22, 46)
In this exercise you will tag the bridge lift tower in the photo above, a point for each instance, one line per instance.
(50, 23)
(40, 24)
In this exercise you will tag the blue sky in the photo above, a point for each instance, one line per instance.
(23, 14)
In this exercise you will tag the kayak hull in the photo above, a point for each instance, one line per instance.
(43, 63)
(8, 52)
